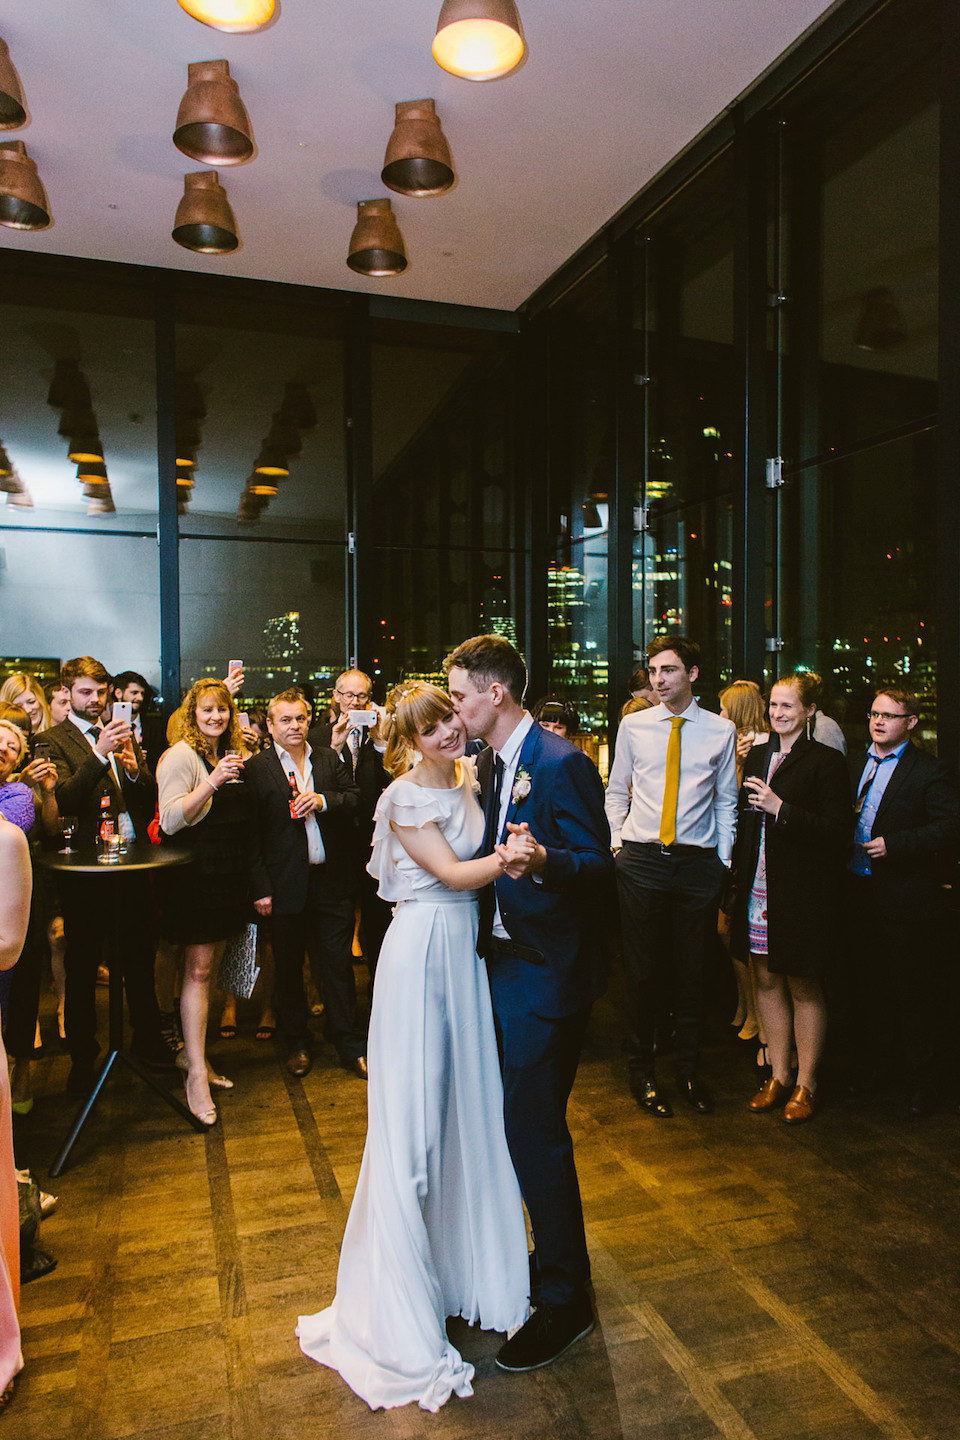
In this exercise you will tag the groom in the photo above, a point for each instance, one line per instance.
(542, 937)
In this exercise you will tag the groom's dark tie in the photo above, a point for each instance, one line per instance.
(491, 811)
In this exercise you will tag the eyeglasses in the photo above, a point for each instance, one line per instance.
(886, 715)
(352, 695)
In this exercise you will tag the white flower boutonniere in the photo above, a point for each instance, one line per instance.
(522, 785)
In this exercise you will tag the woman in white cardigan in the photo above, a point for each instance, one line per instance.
(204, 806)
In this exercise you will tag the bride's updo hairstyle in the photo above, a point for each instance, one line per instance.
(411, 707)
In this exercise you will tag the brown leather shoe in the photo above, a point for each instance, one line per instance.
(769, 1096)
(800, 1106)
(358, 1067)
(299, 1063)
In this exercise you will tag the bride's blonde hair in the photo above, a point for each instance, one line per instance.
(411, 707)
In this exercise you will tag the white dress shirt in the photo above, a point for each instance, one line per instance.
(90, 731)
(510, 755)
(304, 778)
(707, 801)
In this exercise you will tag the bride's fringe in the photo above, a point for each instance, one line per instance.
(411, 707)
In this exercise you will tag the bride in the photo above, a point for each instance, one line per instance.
(436, 1227)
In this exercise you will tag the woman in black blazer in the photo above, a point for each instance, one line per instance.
(792, 836)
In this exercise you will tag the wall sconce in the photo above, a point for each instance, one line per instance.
(479, 39)
(212, 123)
(376, 245)
(13, 112)
(236, 17)
(23, 204)
(418, 160)
(204, 221)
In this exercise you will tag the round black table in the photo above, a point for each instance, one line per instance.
(137, 859)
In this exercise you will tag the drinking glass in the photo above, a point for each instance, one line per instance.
(68, 827)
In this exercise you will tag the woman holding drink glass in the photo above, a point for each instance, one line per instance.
(204, 808)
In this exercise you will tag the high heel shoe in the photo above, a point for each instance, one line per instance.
(219, 1082)
(206, 1117)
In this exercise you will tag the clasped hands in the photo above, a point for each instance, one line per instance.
(520, 854)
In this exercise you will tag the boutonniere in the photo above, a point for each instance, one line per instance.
(522, 785)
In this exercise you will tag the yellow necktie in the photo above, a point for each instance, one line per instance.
(671, 789)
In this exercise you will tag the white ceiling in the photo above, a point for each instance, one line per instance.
(612, 90)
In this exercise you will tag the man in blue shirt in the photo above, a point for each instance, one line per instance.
(907, 809)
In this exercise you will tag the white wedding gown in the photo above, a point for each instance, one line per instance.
(436, 1227)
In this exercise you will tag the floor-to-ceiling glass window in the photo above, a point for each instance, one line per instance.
(78, 473)
(858, 268)
(687, 415)
(581, 450)
(261, 490)
(446, 503)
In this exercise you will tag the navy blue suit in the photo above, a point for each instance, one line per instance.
(542, 995)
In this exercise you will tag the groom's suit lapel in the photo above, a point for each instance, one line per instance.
(528, 756)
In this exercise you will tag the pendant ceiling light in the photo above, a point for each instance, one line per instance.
(236, 17)
(376, 245)
(204, 220)
(262, 485)
(92, 473)
(479, 39)
(85, 448)
(271, 461)
(212, 123)
(13, 112)
(23, 205)
(418, 160)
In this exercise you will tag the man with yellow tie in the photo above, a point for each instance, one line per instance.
(672, 806)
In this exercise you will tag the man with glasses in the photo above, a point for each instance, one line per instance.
(906, 810)
(361, 751)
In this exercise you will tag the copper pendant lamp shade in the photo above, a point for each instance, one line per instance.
(212, 123)
(204, 220)
(418, 160)
(23, 205)
(236, 17)
(479, 39)
(376, 245)
(13, 112)
(85, 449)
(271, 461)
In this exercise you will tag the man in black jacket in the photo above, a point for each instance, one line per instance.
(357, 749)
(93, 760)
(907, 809)
(301, 846)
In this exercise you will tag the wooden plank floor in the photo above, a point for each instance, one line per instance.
(751, 1280)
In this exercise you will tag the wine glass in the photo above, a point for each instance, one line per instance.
(68, 827)
(237, 757)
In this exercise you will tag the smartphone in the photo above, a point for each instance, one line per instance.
(243, 719)
(123, 710)
(233, 666)
(41, 751)
(363, 717)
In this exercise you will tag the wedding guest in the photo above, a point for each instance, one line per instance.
(57, 697)
(671, 804)
(557, 715)
(207, 902)
(792, 836)
(27, 692)
(102, 762)
(742, 703)
(15, 888)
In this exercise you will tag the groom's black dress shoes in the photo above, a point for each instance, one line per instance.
(550, 1330)
(649, 1098)
(695, 1093)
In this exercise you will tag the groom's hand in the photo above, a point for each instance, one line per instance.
(532, 861)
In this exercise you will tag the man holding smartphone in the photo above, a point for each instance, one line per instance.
(351, 730)
(97, 758)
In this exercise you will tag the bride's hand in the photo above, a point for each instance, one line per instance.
(518, 855)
